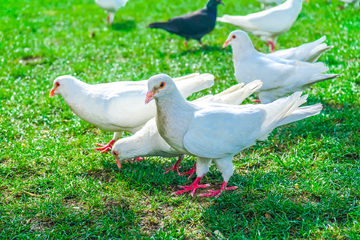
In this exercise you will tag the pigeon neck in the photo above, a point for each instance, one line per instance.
(243, 50)
(212, 11)
(75, 95)
(172, 118)
(138, 145)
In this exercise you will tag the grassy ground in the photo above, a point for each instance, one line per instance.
(302, 183)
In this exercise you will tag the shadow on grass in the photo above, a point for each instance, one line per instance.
(124, 25)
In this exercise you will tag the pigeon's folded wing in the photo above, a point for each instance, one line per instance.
(218, 131)
(271, 21)
(191, 24)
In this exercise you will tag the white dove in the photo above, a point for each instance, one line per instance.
(308, 52)
(111, 7)
(355, 2)
(279, 76)
(216, 132)
(118, 106)
(270, 23)
(148, 142)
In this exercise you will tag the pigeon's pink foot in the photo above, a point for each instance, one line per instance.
(257, 101)
(190, 172)
(139, 159)
(192, 187)
(272, 46)
(175, 167)
(217, 193)
(105, 148)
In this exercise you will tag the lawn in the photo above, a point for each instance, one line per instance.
(303, 182)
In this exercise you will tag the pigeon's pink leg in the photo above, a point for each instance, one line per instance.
(191, 171)
(256, 100)
(175, 167)
(192, 187)
(217, 193)
(272, 46)
(185, 43)
(105, 148)
(108, 18)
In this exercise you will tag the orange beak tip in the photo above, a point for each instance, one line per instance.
(118, 163)
(149, 96)
(225, 44)
(52, 92)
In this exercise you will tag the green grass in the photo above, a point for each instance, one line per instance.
(304, 182)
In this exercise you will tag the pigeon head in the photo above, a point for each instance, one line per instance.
(60, 84)
(213, 4)
(236, 38)
(158, 86)
(116, 152)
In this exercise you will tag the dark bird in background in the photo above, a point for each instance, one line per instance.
(193, 25)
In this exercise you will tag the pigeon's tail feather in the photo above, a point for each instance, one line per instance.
(318, 78)
(238, 96)
(302, 113)
(280, 111)
(162, 25)
(240, 21)
(194, 84)
(315, 49)
(233, 95)
(316, 52)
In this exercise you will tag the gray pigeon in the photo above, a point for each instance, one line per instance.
(193, 25)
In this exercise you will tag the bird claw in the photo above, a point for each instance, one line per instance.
(192, 187)
(105, 148)
(175, 167)
(190, 172)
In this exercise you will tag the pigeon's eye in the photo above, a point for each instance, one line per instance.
(57, 84)
(233, 36)
(115, 153)
(162, 85)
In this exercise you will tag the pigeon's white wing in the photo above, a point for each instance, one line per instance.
(215, 132)
(194, 83)
(279, 73)
(272, 73)
(308, 52)
(271, 20)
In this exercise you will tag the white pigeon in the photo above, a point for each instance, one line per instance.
(217, 132)
(308, 52)
(279, 76)
(111, 7)
(118, 106)
(268, 24)
(355, 2)
(265, 4)
(148, 142)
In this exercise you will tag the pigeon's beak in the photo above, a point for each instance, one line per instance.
(118, 163)
(150, 96)
(307, 1)
(52, 92)
(226, 43)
